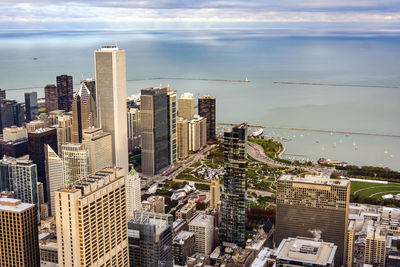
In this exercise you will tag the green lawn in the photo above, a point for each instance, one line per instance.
(367, 189)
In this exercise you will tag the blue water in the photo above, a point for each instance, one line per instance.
(231, 54)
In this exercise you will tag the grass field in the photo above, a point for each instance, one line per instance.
(374, 190)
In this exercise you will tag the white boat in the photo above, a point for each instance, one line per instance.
(257, 132)
(386, 151)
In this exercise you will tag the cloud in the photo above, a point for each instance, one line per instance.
(45, 12)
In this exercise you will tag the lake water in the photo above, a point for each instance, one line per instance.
(261, 56)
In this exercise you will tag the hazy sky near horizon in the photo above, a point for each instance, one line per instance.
(380, 14)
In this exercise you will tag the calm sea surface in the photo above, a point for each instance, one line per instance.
(256, 54)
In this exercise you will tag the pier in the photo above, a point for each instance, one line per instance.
(312, 130)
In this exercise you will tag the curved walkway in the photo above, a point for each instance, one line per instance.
(388, 192)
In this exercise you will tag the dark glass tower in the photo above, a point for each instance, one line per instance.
(207, 110)
(31, 106)
(233, 210)
(64, 92)
(51, 96)
(11, 113)
(154, 121)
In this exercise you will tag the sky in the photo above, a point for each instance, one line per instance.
(382, 15)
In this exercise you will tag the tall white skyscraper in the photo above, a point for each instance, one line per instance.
(134, 201)
(54, 175)
(111, 99)
(75, 162)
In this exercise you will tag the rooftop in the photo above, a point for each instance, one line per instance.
(183, 236)
(261, 258)
(202, 220)
(313, 179)
(306, 250)
(14, 205)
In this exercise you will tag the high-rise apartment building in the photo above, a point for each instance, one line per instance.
(315, 207)
(54, 176)
(99, 145)
(154, 120)
(11, 113)
(83, 112)
(233, 209)
(31, 105)
(186, 106)
(91, 85)
(19, 245)
(75, 162)
(64, 130)
(111, 100)
(150, 242)
(91, 221)
(51, 96)
(203, 228)
(184, 245)
(375, 246)
(23, 181)
(206, 106)
(215, 193)
(133, 196)
(197, 133)
(182, 129)
(36, 143)
(172, 135)
(134, 126)
(65, 90)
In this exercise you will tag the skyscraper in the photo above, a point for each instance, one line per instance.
(51, 96)
(2, 94)
(233, 210)
(65, 89)
(197, 133)
(75, 162)
(315, 207)
(375, 246)
(92, 221)
(134, 126)
(36, 142)
(11, 113)
(172, 142)
(99, 145)
(31, 106)
(154, 121)
(182, 128)
(214, 193)
(64, 130)
(19, 245)
(134, 201)
(83, 112)
(203, 228)
(186, 106)
(54, 176)
(23, 181)
(111, 100)
(14, 143)
(150, 242)
(206, 108)
(91, 85)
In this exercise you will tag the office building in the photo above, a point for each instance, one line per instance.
(31, 106)
(197, 133)
(305, 252)
(111, 100)
(375, 246)
(215, 193)
(4, 174)
(182, 128)
(154, 204)
(51, 96)
(36, 143)
(91, 85)
(65, 89)
(92, 221)
(172, 135)
(75, 162)
(134, 136)
(23, 181)
(2, 94)
(203, 227)
(83, 113)
(186, 106)
(150, 242)
(14, 143)
(315, 207)
(14, 133)
(154, 120)
(187, 212)
(133, 194)
(54, 176)
(233, 209)
(64, 130)
(206, 106)
(184, 246)
(19, 244)
(11, 113)
(99, 145)
(35, 125)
